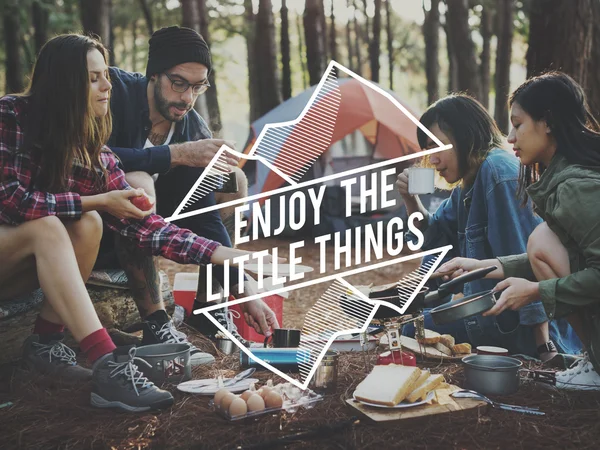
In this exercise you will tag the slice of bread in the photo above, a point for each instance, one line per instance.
(421, 391)
(447, 340)
(461, 349)
(387, 385)
(444, 349)
(431, 338)
(419, 381)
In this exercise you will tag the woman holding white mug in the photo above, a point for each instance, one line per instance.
(482, 219)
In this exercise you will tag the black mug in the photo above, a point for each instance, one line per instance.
(284, 338)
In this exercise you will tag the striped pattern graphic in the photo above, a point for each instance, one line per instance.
(409, 284)
(294, 148)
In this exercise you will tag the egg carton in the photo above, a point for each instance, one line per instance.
(306, 401)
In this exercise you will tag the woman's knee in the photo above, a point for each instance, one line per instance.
(87, 230)
(545, 246)
(141, 180)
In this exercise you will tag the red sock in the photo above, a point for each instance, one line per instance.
(97, 344)
(42, 326)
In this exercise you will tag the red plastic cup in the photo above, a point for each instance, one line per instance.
(403, 358)
(489, 350)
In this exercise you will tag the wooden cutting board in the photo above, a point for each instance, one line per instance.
(446, 404)
(427, 351)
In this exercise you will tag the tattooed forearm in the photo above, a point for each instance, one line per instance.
(142, 272)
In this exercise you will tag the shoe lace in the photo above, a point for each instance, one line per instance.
(130, 371)
(580, 365)
(168, 334)
(57, 351)
(225, 317)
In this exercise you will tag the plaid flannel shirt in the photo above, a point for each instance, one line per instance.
(21, 201)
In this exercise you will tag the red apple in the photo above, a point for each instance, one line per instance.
(143, 202)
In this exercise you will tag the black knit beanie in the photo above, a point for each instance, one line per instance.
(175, 45)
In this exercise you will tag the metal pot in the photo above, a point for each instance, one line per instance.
(465, 307)
(325, 377)
(170, 362)
(489, 374)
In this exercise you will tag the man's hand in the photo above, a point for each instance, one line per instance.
(459, 266)
(201, 153)
(517, 293)
(259, 316)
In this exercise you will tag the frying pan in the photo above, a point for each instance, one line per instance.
(424, 299)
(465, 307)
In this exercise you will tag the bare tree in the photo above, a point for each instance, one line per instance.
(12, 33)
(561, 37)
(147, 16)
(357, 34)
(390, 42)
(484, 68)
(301, 51)
(286, 73)
(313, 36)
(95, 18)
(332, 36)
(463, 47)
(505, 27)
(431, 33)
(375, 43)
(349, 39)
(134, 48)
(212, 101)
(266, 58)
(250, 32)
(190, 18)
(40, 10)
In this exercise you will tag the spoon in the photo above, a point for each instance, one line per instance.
(465, 393)
(239, 377)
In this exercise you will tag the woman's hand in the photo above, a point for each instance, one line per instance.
(402, 184)
(459, 266)
(517, 292)
(118, 204)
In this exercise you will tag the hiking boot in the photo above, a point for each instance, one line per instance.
(117, 383)
(54, 358)
(164, 332)
(581, 376)
(223, 316)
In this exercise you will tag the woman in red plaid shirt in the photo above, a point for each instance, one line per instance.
(56, 180)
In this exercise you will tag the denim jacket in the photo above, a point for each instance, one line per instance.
(484, 222)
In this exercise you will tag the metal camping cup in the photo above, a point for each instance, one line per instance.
(421, 180)
(284, 338)
(325, 378)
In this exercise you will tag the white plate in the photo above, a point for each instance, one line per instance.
(401, 404)
(209, 386)
(282, 269)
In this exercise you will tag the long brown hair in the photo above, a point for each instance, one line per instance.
(61, 126)
(559, 100)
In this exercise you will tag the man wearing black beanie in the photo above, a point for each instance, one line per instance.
(157, 134)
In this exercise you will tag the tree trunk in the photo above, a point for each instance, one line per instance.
(503, 60)
(112, 61)
(390, 42)
(189, 14)
(561, 38)
(313, 36)
(134, 48)
(463, 47)
(286, 73)
(593, 70)
(332, 37)
(12, 46)
(302, 51)
(357, 33)
(95, 18)
(266, 58)
(40, 14)
(324, 34)
(147, 16)
(349, 41)
(431, 33)
(486, 34)
(212, 101)
(250, 31)
(375, 43)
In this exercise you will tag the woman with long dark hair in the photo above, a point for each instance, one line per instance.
(56, 178)
(558, 141)
(482, 219)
